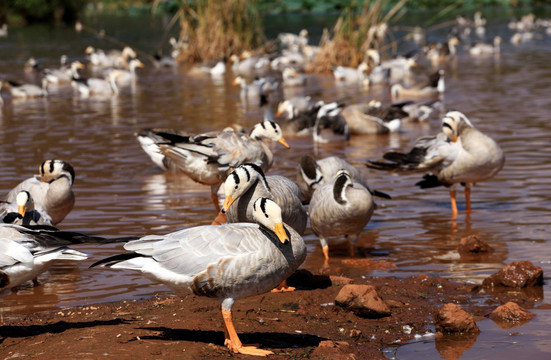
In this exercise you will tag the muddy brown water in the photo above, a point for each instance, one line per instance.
(120, 192)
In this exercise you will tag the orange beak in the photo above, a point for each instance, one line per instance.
(227, 203)
(21, 210)
(283, 142)
(279, 230)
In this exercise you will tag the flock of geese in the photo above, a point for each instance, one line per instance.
(255, 243)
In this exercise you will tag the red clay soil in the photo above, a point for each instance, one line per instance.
(300, 324)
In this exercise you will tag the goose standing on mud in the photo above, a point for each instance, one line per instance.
(460, 154)
(340, 207)
(208, 158)
(227, 262)
(51, 191)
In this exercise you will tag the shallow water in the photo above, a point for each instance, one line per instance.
(120, 192)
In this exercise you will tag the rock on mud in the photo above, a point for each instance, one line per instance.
(516, 275)
(510, 315)
(363, 300)
(452, 319)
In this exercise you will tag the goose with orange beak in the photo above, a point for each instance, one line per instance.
(460, 154)
(227, 262)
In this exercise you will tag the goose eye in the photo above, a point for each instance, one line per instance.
(266, 215)
(236, 187)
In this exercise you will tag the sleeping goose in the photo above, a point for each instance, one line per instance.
(227, 262)
(51, 191)
(311, 174)
(247, 183)
(23, 211)
(460, 154)
(208, 158)
(373, 118)
(340, 207)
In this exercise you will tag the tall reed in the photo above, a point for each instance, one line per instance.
(213, 29)
(356, 31)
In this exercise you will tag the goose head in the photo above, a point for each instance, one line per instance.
(51, 170)
(451, 124)
(24, 202)
(267, 213)
(269, 130)
(239, 181)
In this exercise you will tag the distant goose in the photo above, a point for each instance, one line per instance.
(460, 154)
(351, 75)
(247, 183)
(373, 118)
(63, 74)
(24, 90)
(51, 191)
(432, 88)
(228, 262)
(208, 158)
(482, 49)
(291, 78)
(340, 207)
(330, 125)
(97, 86)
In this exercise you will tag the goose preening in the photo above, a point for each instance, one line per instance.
(460, 154)
(51, 191)
(247, 183)
(227, 262)
(340, 207)
(373, 118)
(313, 173)
(208, 158)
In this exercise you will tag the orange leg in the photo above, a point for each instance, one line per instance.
(232, 340)
(220, 219)
(283, 287)
(214, 198)
(325, 250)
(468, 199)
(454, 204)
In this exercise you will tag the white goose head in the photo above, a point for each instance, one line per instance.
(24, 202)
(239, 181)
(269, 130)
(267, 213)
(451, 122)
(51, 170)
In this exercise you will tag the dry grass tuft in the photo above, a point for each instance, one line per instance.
(354, 33)
(214, 29)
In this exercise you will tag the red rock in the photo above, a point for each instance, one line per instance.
(517, 275)
(362, 300)
(473, 245)
(510, 315)
(452, 319)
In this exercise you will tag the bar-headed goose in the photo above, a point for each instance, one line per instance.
(373, 118)
(228, 262)
(330, 125)
(51, 191)
(432, 88)
(460, 154)
(25, 90)
(483, 49)
(247, 183)
(208, 158)
(340, 207)
(23, 211)
(97, 86)
(311, 174)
